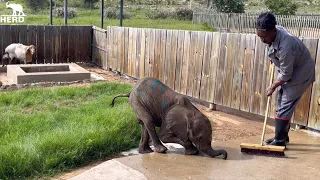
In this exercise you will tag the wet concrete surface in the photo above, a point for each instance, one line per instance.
(301, 161)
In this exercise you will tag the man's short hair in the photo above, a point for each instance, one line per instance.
(266, 21)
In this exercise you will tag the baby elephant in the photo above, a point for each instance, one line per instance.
(156, 105)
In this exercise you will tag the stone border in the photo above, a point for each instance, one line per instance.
(13, 87)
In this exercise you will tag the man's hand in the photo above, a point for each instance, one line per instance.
(270, 90)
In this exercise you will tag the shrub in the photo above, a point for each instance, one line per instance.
(114, 13)
(282, 7)
(161, 14)
(229, 6)
(35, 5)
(59, 12)
(184, 14)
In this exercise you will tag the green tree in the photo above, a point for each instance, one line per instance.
(282, 7)
(228, 6)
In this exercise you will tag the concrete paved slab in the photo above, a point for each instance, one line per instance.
(301, 162)
(34, 73)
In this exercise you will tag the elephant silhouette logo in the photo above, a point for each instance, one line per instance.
(17, 9)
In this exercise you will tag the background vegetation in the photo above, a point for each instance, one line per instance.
(47, 130)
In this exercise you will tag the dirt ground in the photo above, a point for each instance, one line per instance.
(225, 126)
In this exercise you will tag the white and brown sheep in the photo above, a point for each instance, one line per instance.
(17, 53)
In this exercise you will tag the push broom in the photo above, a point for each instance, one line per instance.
(262, 148)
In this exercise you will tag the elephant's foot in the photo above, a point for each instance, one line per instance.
(160, 148)
(144, 150)
(191, 150)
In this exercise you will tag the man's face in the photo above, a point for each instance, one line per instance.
(267, 37)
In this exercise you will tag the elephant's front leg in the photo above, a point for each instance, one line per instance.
(159, 147)
(144, 141)
(167, 136)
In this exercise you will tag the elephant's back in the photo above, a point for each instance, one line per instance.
(153, 95)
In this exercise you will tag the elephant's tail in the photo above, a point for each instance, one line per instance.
(120, 95)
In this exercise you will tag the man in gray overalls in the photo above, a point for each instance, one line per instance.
(296, 72)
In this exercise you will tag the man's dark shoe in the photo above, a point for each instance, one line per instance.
(281, 133)
(268, 141)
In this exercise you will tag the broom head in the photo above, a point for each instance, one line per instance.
(262, 149)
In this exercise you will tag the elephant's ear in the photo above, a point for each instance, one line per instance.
(184, 101)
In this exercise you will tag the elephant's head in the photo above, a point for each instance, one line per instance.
(189, 123)
(200, 133)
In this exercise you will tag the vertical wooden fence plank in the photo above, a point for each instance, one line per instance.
(138, 53)
(72, 39)
(220, 70)
(198, 64)
(121, 49)
(126, 45)
(163, 51)
(134, 52)
(206, 67)
(168, 58)
(6, 39)
(56, 34)
(48, 44)
(154, 66)
(87, 33)
(185, 62)
(179, 65)
(109, 47)
(257, 78)
(301, 112)
(147, 52)
(215, 47)
(314, 112)
(191, 68)
(115, 49)
(78, 44)
(238, 72)
(32, 35)
(232, 44)
(130, 50)
(142, 53)
(81, 40)
(23, 31)
(247, 72)
(40, 50)
(15, 34)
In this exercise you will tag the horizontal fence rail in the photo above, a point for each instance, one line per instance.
(54, 44)
(229, 69)
(299, 25)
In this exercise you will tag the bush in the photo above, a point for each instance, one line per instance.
(59, 12)
(282, 7)
(114, 13)
(161, 14)
(229, 6)
(184, 14)
(35, 5)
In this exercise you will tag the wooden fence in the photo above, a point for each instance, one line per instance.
(55, 44)
(299, 25)
(229, 69)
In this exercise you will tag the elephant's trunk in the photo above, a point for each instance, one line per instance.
(213, 153)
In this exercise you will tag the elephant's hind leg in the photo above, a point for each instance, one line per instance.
(144, 141)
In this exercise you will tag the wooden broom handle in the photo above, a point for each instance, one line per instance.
(267, 109)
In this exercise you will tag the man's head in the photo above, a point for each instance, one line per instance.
(266, 27)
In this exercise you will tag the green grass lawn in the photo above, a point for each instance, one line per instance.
(48, 130)
(92, 17)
